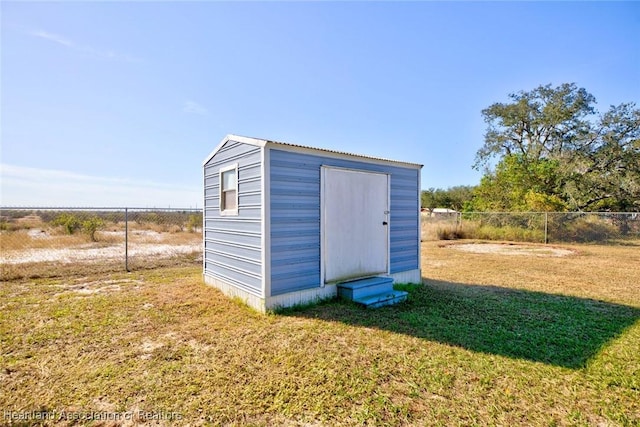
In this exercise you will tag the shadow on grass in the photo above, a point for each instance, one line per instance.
(553, 329)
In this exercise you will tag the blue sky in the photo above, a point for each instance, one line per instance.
(118, 103)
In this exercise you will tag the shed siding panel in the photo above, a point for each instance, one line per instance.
(233, 243)
(295, 217)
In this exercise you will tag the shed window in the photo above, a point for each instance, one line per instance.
(229, 190)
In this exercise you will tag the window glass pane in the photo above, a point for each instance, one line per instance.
(229, 180)
(229, 201)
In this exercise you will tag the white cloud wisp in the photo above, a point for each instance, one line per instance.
(108, 55)
(192, 107)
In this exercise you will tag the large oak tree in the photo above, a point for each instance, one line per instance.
(549, 149)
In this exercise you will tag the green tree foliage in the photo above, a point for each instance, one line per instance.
(72, 223)
(194, 222)
(548, 149)
(68, 221)
(517, 185)
(457, 197)
(91, 225)
(605, 173)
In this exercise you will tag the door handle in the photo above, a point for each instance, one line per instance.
(384, 222)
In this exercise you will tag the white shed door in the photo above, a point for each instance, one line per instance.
(354, 223)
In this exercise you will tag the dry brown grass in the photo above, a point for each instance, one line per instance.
(610, 273)
(47, 237)
(39, 239)
(438, 230)
(162, 341)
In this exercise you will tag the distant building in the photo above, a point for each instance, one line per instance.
(443, 213)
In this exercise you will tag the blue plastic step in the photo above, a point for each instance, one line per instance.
(380, 300)
(365, 287)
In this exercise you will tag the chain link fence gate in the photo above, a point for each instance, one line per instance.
(48, 242)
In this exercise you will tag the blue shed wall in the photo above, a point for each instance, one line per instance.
(232, 244)
(295, 217)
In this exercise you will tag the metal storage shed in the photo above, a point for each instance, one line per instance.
(284, 224)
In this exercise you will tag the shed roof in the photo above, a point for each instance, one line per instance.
(259, 142)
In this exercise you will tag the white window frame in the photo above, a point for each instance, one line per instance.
(228, 212)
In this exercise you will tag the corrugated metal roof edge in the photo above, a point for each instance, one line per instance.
(263, 142)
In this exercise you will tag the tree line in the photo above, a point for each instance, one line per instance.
(549, 149)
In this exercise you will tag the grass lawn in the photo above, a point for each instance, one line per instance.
(488, 339)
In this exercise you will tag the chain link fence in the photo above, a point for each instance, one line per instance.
(48, 242)
(535, 227)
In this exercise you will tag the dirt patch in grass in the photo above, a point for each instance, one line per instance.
(96, 286)
(512, 249)
(37, 233)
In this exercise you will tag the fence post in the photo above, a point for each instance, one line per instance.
(126, 239)
(546, 227)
